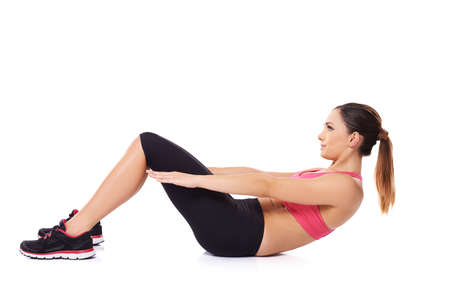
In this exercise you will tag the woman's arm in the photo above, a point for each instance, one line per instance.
(253, 184)
(232, 170)
(243, 170)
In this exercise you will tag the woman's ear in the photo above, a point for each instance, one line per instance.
(354, 139)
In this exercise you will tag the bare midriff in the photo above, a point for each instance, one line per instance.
(282, 232)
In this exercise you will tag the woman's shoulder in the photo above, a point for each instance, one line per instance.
(313, 170)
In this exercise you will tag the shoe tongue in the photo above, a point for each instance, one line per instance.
(62, 225)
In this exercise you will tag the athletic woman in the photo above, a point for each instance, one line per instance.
(287, 210)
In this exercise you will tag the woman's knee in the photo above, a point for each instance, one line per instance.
(147, 133)
(146, 137)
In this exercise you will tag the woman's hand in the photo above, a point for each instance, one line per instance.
(174, 177)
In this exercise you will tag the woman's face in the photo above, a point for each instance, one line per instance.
(334, 136)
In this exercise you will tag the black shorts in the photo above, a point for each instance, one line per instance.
(222, 225)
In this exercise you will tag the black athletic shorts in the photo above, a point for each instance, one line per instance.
(222, 225)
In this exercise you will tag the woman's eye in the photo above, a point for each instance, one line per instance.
(329, 127)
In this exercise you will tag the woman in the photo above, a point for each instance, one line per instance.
(285, 212)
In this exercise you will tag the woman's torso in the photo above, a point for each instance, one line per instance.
(282, 232)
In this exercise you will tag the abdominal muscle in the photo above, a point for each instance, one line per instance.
(282, 232)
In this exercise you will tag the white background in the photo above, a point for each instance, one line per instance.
(236, 83)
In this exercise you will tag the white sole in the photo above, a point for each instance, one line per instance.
(97, 239)
(68, 254)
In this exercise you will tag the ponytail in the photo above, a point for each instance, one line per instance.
(384, 173)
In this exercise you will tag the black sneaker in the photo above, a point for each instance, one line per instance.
(58, 244)
(96, 231)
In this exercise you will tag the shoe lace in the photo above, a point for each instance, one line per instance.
(49, 234)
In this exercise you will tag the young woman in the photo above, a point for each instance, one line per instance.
(287, 210)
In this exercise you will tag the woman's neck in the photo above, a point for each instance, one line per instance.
(351, 165)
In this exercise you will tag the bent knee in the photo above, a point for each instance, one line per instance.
(147, 133)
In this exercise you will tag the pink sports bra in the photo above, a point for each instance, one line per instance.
(308, 216)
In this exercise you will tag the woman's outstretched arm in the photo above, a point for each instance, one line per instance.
(232, 170)
(243, 170)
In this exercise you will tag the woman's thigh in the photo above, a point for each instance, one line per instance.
(220, 223)
(162, 154)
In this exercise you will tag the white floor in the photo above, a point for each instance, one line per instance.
(169, 263)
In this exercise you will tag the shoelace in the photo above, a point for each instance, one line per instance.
(48, 235)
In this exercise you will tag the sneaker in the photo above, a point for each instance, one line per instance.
(96, 231)
(58, 244)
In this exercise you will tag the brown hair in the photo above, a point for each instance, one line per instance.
(367, 122)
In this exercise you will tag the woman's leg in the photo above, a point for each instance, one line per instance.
(221, 224)
(125, 180)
